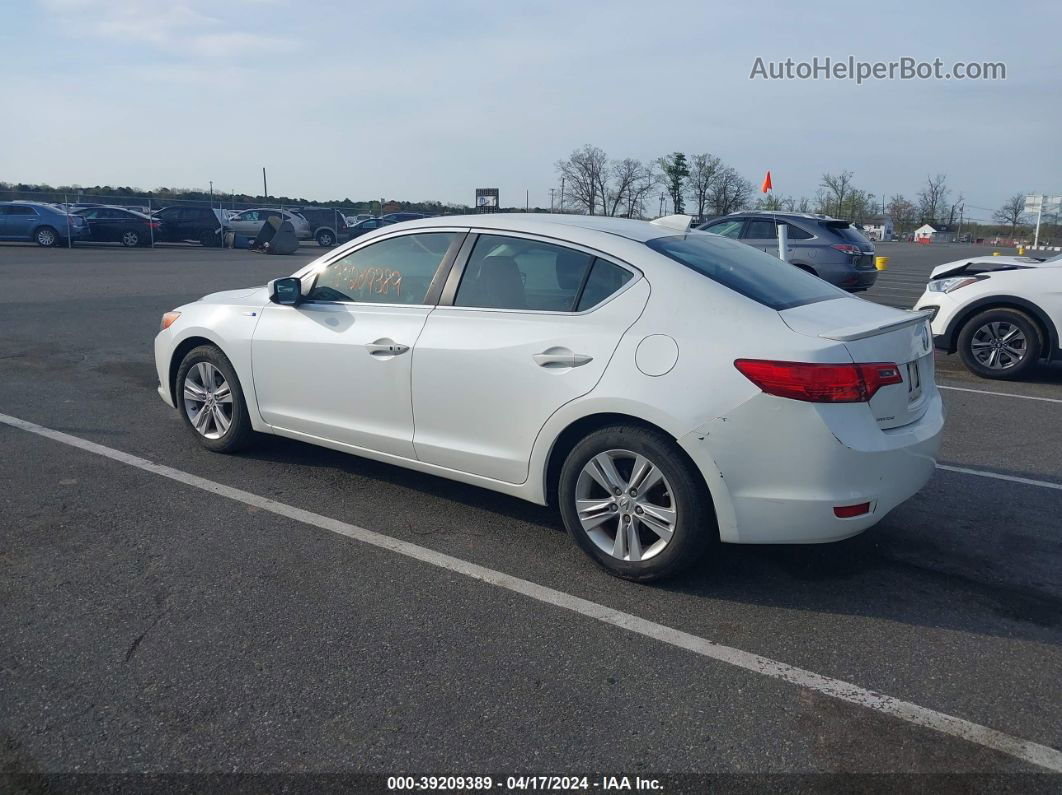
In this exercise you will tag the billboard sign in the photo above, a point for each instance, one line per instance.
(487, 200)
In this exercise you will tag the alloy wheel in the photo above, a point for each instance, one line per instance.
(626, 505)
(46, 237)
(208, 400)
(999, 345)
(130, 238)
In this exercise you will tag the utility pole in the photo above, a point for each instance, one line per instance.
(562, 195)
(211, 194)
(663, 197)
(265, 186)
(958, 233)
(1039, 214)
(527, 200)
(551, 191)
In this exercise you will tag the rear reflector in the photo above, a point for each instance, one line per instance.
(820, 383)
(848, 511)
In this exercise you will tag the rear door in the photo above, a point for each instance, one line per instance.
(523, 328)
(21, 220)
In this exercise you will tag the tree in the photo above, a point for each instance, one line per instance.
(704, 170)
(583, 173)
(933, 199)
(954, 209)
(730, 192)
(630, 181)
(676, 170)
(1012, 212)
(903, 214)
(836, 190)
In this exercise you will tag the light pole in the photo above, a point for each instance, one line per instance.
(663, 198)
(551, 191)
(211, 194)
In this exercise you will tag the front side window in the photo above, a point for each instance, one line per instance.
(730, 228)
(398, 270)
(515, 273)
(746, 270)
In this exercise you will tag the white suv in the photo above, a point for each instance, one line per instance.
(1001, 314)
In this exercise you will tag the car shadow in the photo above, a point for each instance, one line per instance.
(910, 568)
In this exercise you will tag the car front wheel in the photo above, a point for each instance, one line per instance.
(631, 500)
(1000, 344)
(211, 401)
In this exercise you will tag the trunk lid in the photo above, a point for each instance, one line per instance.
(874, 333)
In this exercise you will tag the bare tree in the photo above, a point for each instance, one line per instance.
(583, 173)
(704, 170)
(647, 180)
(953, 209)
(1012, 212)
(836, 190)
(933, 199)
(903, 214)
(730, 192)
(623, 174)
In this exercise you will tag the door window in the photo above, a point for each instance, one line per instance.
(514, 273)
(17, 210)
(605, 280)
(760, 229)
(398, 270)
(796, 233)
(731, 228)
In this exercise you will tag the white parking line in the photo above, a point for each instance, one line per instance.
(999, 394)
(981, 473)
(1034, 753)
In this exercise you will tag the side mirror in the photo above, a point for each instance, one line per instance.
(286, 291)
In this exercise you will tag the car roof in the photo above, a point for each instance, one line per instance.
(549, 224)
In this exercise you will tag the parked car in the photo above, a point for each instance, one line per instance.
(118, 225)
(830, 248)
(248, 222)
(183, 224)
(664, 389)
(368, 225)
(44, 224)
(328, 226)
(1001, 314)
(353, 219)
(399, 217)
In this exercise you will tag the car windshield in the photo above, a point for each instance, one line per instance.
(746, 270)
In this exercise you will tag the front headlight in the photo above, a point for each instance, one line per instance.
(168, 318)
(952, 284)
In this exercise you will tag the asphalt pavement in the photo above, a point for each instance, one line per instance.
(155, 625)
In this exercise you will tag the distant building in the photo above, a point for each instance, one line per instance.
(878, 228)
(933, 234)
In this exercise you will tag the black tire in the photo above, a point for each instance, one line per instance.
(326, 238)
(979, 335)
(46, 236)
(209, 238)
(131, 238)
(695, 528)
(239, 432)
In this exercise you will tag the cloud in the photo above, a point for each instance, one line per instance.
(171, 26)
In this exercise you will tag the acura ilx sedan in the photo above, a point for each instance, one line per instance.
(664, 388)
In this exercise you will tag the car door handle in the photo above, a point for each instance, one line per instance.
(385, 348)
(561, 357)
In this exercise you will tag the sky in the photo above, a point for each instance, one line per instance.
(430, 100)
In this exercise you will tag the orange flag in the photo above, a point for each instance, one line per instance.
(766, 183)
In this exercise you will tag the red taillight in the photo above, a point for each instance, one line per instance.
(154, 224)
(820, 383)
(847, 248)
(848, 511)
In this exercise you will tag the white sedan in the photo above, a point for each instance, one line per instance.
(665, 389)
(1002, 314)
(248, 222)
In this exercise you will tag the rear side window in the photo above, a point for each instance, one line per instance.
(20, 210)
(515, 273)
(730, 228)
(761, 229)
(746, 270)
(398, 270)
(796, 233)
(604, 280)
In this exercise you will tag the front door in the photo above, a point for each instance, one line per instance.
(532, 326)
(337, 367)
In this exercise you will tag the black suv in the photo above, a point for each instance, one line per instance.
(181, 224)
(328, 226)
(830, 248)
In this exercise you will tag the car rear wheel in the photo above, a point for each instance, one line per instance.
(211, 401)
(1000, 343)
(46, 236)
(632, 501)
(326, 238)
(130, 238)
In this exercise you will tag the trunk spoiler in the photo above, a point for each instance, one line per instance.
(873, 329)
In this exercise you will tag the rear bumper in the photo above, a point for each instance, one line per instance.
(782, 466)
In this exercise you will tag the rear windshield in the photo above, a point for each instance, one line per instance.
(746, 270)
(845, 231)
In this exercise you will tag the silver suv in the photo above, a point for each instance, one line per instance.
(830, 248)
